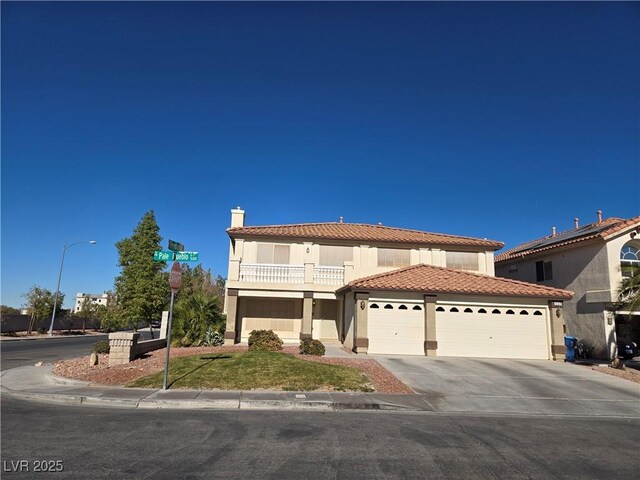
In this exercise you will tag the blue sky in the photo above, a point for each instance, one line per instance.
(493, 120)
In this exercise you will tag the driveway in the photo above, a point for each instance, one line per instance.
(529, 387)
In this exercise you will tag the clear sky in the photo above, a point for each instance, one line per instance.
(495, 120)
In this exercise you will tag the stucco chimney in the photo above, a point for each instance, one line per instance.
(575, 221)
(599, 212)
(553, 231)
(237, 217)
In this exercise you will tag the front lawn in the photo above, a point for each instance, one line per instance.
(256, 370)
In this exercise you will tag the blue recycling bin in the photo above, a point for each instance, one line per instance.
(570, 343)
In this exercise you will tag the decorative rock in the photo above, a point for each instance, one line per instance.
(93, 359)
(39, 364)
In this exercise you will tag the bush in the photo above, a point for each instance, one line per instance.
(101, 347)
(311, 347)
(264, 340)
(213, 338)
(43, 330)
(9, 334)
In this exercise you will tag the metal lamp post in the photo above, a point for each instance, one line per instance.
(55, 301)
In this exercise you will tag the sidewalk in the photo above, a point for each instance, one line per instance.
(39, 384)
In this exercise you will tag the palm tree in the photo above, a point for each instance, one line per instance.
(194, 316)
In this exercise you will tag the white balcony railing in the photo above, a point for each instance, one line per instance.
(267, 273)
(328, 275)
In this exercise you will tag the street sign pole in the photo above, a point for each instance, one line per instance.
(174, 282)
(166, 360)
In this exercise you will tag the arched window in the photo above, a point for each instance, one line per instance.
(468, 310)
(402, 307)
(482, 310)
(510, 312)
(496, 311)
(524, 312)
(629, 260)
(439, 309)
(418, 307)
(374, 305)
(454, 309)
(388, 306)
(537, 312)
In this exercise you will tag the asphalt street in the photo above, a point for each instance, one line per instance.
(18, 353)
(112, 443)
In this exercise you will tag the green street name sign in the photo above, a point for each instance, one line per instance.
(186, 256)
(163, 255)
(175, 246)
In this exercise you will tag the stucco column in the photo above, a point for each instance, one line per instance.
(556, 325)
(430, 342)
(361, 340)
(232, 315)
(307, 315)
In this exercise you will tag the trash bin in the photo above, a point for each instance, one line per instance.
(570, 343)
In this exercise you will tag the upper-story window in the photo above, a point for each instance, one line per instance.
(393, 257)
(629, 260)
(335, 256)
(273, 253)
(462, 260)
(544, 271)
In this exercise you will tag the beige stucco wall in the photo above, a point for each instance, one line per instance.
(585, 269)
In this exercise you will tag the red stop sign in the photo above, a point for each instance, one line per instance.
(175, 276)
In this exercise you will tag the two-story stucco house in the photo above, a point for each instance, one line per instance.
(378, 289)
(590, 261)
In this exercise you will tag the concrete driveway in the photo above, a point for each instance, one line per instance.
(529, 387)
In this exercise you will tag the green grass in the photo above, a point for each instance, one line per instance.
(256, 370)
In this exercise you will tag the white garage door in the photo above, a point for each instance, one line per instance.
(396, 328)
(492, 333)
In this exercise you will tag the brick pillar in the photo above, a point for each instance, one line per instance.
(122, 347)
(231, 331)
(361, 340)
(430, 342)
(556, 324)
(307, 315)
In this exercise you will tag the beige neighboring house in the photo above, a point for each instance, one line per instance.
(591, 261)
(385, 290)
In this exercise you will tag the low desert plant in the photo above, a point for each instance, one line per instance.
(311, 347)
(9, 334)
(265, 340)
(101, 347)
(213, 338)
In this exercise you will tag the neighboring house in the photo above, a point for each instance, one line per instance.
(591, 261)
(378, 289)
(96, 299)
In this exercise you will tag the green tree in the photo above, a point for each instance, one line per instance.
(629, 292)
(198, 280)
(87, 310)
(142, 288)
(40, 303)
(7, 310)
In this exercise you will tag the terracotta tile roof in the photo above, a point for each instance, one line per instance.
(362, 232)
(429, 279)
(603, 229)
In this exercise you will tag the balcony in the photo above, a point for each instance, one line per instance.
(267, 273)
(328, 275)
(290, 274)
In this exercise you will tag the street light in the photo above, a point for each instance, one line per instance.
(55, 301)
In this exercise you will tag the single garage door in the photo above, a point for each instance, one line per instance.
(396, 328)
(491, 332)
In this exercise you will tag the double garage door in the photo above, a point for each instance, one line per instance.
(398, 329)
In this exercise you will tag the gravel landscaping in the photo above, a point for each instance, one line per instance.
(78, 368)
(628, 373)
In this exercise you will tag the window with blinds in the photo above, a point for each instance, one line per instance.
(273, 253)
(462, 260)
(335, 256)
(393, 257)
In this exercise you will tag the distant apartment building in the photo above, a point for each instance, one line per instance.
(96, 299)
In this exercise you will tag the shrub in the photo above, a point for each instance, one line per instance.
(213, 338)
(9, 334)
(264, 340)
(101, 347)
(311, 347)
(43, 330)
